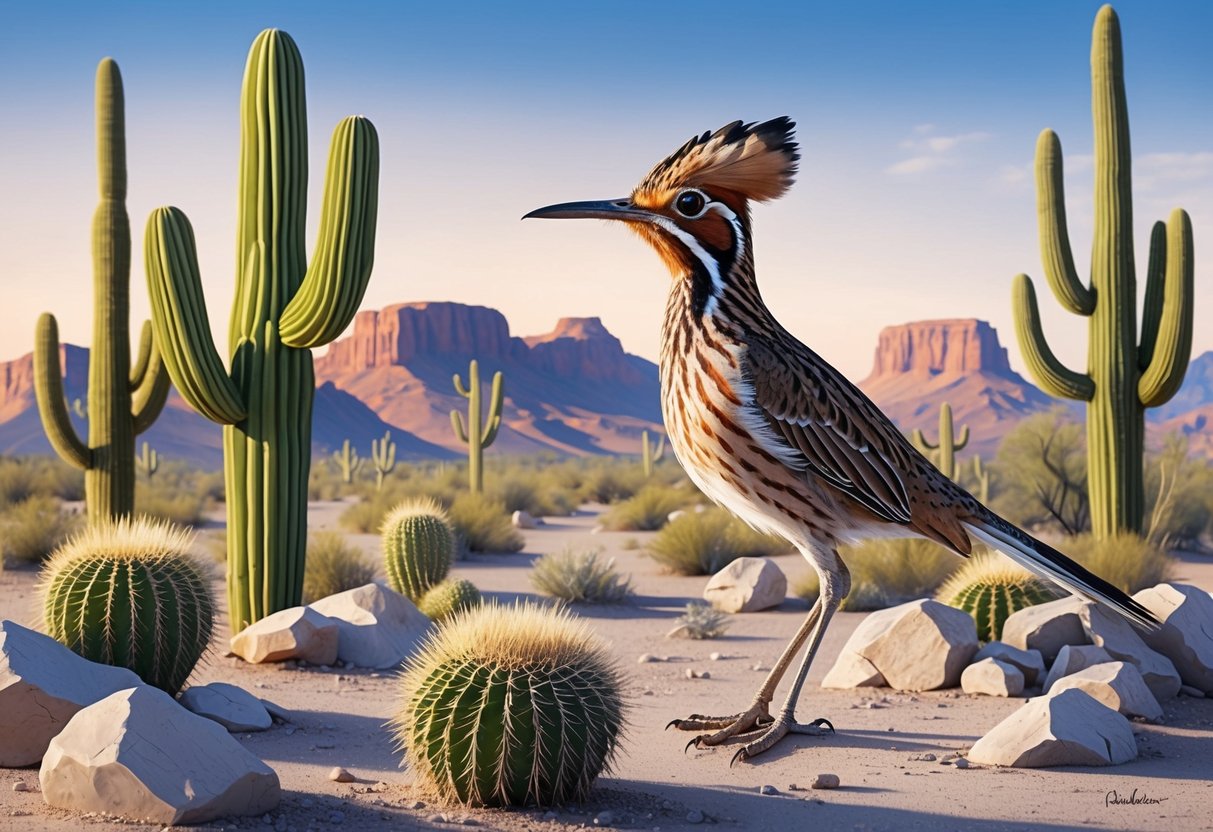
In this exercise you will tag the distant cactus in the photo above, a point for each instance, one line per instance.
(348, 462)
(383, 455)
(127, 593)
(982, 474)
(989, 587)
(511, 706)
(1125, 376)
(481, 430)
(418, 546)
(449, 597)
(947, 445)
(148, 461)
(651, 454)
(80, 408)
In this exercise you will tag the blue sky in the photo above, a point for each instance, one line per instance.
(917, 122)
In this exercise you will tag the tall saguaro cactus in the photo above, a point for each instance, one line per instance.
(383, 456)
(283, 308)
(123, 401)
(651, 452)
(1125, 376)
(948, 444)
(480, 433)
(348, 461)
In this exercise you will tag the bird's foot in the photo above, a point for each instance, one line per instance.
(779, 729)
(756, 718)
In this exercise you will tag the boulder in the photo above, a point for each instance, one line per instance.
(1072, 659)
(747, 585)
(1030, 663)
(42, 685)
(234, 708)
(1046, 627)
(853, 671)
(1069, 729)
(1116, 684)
(378, 627)
(1114, 634)
(297, 633)
(1186, 635)
(922, 645)
(140, 755)
(992, 677)
(523, 520)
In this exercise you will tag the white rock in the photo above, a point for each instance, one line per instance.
(1070, 728)
(852, 670)
(992, 677)
(139, 754)
(1114, 634)
(234, 708)
(42, 685)
(378, 627)
(1072, 659)
(1116, 684)
(1046, 627)
(747, 585)
(922, 645)
(295, 633)
(1030, 663)
(1186, 636)
(523, 520)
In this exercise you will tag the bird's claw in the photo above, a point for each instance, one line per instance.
(740, 755)
(694, 741)
(673, 723)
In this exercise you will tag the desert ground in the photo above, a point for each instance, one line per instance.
(878, 751)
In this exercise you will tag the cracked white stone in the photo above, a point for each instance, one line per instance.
(1046, 627)
(1116, 684)
(295, 633)
(1030, 663)
(1114, 634)
(377, 626)
(234, 708)
(747, 585)
(1070, 728)
(1073, 658)
(992, 677)
(1186, 635)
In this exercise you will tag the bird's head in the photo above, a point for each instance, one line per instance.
(694, 205)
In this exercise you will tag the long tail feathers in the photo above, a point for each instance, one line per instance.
(1049, 563)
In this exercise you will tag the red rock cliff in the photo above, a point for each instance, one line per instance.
(949, 347)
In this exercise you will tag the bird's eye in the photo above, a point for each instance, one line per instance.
(690, 204)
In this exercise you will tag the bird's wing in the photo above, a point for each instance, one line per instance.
(831, 428)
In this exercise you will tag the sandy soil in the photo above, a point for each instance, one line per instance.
(339, 718)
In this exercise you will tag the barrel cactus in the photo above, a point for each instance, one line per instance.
(509, 706)
(417, 546)
(128, 593)
(989, 587)
(449, 597)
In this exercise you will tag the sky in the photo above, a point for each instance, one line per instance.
(917, 123)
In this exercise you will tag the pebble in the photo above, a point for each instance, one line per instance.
(416, 804)
(961, 762)
(826, 781)
(340, 775)
(694, 816)
(647, 658)
(715, 657)
(667, 805)
(20, 786)
(707, 674)
(926, 758)
(307, 803)
(768, 790)
(757, 666)
(604, 819)
(792, 787)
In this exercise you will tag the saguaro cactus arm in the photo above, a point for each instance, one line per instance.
(340, 267)
(1168, 316)
(1054, 236)
(179, 316)
(493, 418)
(457, 424)
(48, 389)
(149, 382)
(1054, 377)
(920, 441)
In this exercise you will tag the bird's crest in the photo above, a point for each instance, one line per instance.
(754, 161)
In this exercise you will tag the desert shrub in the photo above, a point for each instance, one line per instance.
(54, 477)
(333, 565)
(31, 530)
(1179, 496)
(704, 542)
(482, 525)
(18, 481)
(886, 572)
(532, 492)
(1126, 561)
(700, 621)
(1041, 468)
(647, 510)
(580, 576)
(177, 506)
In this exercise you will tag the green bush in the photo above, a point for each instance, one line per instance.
(18, 481)
(885, 573)
(334, 565)
(580, 576)
(700, 621)
(704, 542)
(179, 507)
(482, 525)
(1125, 561)
(31, 530)
(648, 510)
(532, 492)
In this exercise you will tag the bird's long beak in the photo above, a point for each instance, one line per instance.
(606, 209)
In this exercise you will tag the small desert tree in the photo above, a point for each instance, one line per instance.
(1042, 470)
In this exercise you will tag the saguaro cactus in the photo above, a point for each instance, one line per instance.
(1124, 376)
(982, 475)
(651, 452)
(383, 455)
(283, 309)
(479, 434)
(348, 461)
(148, 461)
(123, 401)
(948, 444)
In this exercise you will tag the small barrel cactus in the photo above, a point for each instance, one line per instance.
(989, 587)
(417, 546)
(509, 706)
(127, 593)
(449, 597)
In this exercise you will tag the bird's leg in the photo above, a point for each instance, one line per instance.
(758, 715)
(834, 588)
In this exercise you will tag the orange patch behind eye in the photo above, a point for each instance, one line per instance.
(711, 228)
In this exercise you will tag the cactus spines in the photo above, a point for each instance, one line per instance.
(348, 461)
(148, 461)
(383, 455)
(1125, 375)
(982, 474)
(418, 545)
(127, 593)
(510, 706)
(481, 430)
(284, 307)
(123, 401)
(989, 587)
(651, 453)
(448, 598)
(948, 444)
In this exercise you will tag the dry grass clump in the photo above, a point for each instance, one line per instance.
(580, 576)
(333, 565)
(885, 573)
(648, 510)
(183, 508)
(700, 621)
(32, 529)
(704, 542)
(482, 525)
(1126, 561)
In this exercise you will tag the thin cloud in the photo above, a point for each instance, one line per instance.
(931, 151)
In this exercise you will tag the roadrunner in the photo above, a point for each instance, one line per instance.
(768, 429)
